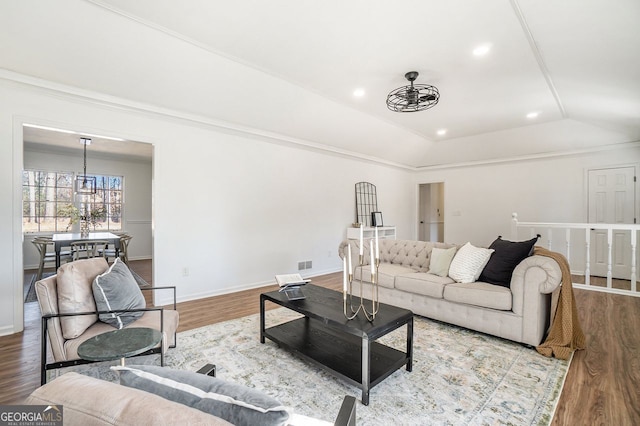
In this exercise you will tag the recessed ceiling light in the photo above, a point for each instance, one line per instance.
(358, 93)
(482, 50)
(533, 115)
(442, 132)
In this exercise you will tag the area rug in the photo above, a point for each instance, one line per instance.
(459, 377)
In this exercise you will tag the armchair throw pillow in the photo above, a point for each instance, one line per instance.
(237, 404)
(468, 263)
(73, 281)
(117, 289)
(507, 255)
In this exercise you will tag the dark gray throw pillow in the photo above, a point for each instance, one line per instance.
(232, 402)
(506, 256)
(117, 289)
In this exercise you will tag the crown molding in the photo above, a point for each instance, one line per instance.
(531, 157)
(113, 102)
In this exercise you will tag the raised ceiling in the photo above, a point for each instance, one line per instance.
(288, 68)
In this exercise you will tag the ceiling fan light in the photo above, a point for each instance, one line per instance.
(412, 98)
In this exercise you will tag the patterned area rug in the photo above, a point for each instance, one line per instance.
(459, 376)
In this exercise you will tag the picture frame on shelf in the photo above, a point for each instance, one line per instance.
(376, 219)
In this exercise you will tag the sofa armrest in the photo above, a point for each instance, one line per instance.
(531, 284)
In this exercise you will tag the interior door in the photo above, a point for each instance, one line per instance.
(431, 212)
(611, 200)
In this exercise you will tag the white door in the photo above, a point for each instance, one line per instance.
(611, 200)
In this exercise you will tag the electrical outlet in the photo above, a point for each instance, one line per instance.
(185, 272)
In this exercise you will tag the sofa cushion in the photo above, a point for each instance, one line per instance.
(441, 260)
(479, 294)
(387, 273)
(75, 294)
(468, 263)
(235, 403)
(117, 289)
(89, 401)
(505, 258)
(423, 283)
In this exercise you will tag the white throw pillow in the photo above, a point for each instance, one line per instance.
(468, 263)
(440, 261)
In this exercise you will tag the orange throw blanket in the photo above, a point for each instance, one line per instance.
(565, 333)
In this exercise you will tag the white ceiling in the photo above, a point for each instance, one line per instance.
(289, 68)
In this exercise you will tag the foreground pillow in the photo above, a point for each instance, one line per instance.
(507, 255)
(117, 289)
(468, 263)
(441, 260)
(234, 403)
(73, 281)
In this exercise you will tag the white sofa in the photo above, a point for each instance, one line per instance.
(519, 313)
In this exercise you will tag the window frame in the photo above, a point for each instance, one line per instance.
(43, 222)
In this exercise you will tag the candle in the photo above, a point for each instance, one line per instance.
(373, 266)
(344, 275)
(361, 239)
(350, 267)
(377, 247)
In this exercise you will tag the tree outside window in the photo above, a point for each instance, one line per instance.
(48, 201)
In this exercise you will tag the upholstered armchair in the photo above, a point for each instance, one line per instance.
(70, 314)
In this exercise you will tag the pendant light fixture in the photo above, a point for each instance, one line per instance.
(85, 184)
(412, 98)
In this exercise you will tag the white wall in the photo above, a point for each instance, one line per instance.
(137, 195)
(479, 199)
(231, 208)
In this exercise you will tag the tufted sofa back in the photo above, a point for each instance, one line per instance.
(408, 253)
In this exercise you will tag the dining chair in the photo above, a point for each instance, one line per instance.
(124, 245)
(43, 244)
(88, 249)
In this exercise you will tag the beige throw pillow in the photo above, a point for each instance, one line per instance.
(468, 263)
(76, 295)
(440, 261)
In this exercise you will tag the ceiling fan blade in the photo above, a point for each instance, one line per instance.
(429, 97)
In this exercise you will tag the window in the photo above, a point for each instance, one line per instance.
(48, 201)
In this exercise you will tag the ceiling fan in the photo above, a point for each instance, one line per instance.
(415, 97)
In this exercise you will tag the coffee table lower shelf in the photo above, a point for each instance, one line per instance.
(337, 352)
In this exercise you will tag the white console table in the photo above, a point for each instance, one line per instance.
(369, 232)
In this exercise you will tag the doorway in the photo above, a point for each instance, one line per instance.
(431, 212)
(125, 170)
(611, 199)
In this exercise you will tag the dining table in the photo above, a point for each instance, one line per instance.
(65, 239)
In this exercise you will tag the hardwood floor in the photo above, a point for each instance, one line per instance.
(602, 385)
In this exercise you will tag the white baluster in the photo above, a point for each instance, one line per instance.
(568, 244)
(587, 269)
(633, 261)
(609, 257)
(514, 226)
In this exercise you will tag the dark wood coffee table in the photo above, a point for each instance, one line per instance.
(345, 348)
